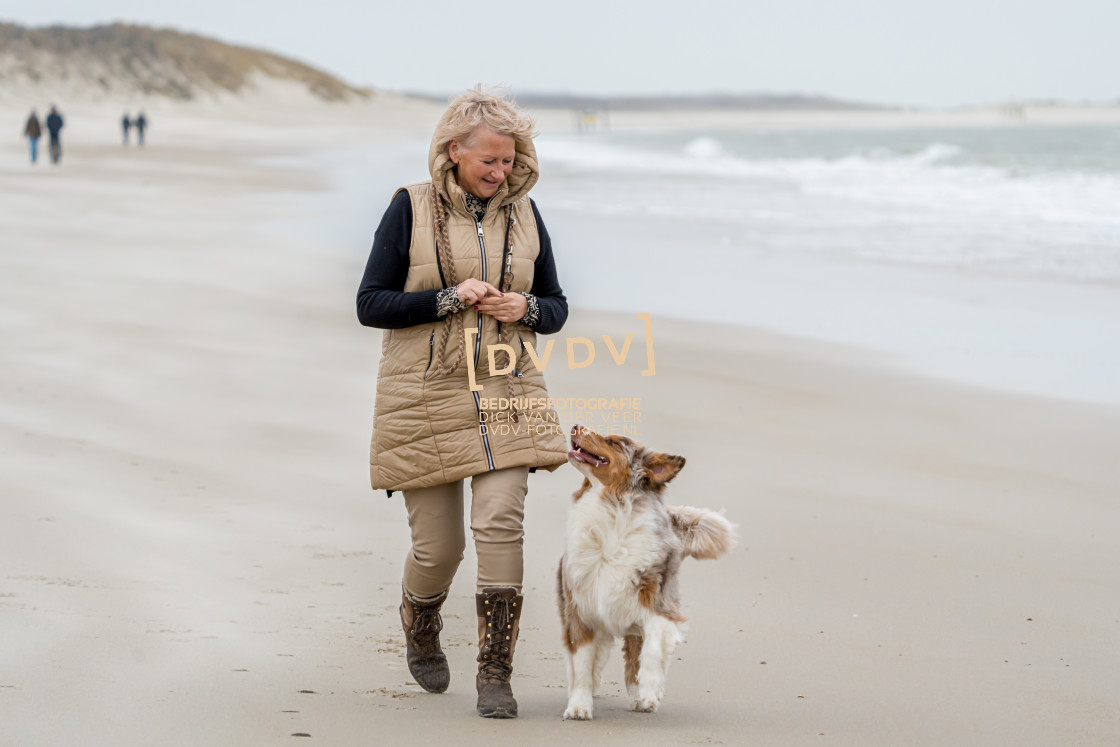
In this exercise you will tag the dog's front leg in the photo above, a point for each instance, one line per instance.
(603, 644)
(659, 638)
(580, 668)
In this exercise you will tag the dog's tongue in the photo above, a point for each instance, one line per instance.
(581, 455)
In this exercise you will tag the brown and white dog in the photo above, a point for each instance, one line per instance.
(619, 574)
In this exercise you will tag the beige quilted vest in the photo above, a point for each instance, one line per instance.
(426, 428)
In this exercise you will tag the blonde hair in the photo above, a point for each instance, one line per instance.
(480, 106)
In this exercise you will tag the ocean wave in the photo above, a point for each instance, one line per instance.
(933, 204)
(704, 147)
(922, 178)
(706, 156)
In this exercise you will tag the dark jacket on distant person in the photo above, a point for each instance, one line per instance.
(54, 124)
(32, 129)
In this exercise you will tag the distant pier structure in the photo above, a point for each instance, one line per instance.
(592, 118)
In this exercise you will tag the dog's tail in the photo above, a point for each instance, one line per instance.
(705, 534)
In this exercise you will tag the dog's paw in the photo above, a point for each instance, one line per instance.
(644, 705)
(578, 712)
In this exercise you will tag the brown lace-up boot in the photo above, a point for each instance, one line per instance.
(499, 616)
(422, 624)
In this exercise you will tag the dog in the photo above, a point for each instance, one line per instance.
(618, 577)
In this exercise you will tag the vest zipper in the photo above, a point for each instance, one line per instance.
(431, 349)
(478, 339)
(507, 262)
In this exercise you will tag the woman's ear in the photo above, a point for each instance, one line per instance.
(453, 152)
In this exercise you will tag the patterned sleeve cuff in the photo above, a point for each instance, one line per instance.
(448, 302)
(533, 316)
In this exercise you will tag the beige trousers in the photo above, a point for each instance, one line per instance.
(435, 516)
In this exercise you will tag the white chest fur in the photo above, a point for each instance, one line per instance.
(609, 545)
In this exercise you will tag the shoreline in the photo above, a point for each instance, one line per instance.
(873, 358)
(192, 553)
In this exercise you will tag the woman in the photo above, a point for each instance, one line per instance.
(33, 132)
(465, 251)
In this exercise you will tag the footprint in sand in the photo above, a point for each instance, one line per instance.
(389, 692)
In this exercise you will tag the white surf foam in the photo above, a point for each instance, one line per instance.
(933, 205)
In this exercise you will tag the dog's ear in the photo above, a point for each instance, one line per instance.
(661, 468)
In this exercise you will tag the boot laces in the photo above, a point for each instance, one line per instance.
(494, 665)
(493, 669)
(426, 623)
(499, 613)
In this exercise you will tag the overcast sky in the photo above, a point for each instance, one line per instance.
(933, 53)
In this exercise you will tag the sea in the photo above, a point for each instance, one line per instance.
(1041, 201)
(983, 255)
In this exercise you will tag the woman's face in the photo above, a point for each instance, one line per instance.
(483, 162)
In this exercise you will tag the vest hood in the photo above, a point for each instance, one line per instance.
(516, 185)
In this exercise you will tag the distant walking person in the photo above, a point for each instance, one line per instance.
(54, 127)
(126, 123)
(33, 132)
(141, 122)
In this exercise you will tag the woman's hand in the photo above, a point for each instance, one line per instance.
(505, 308)
(471, 291)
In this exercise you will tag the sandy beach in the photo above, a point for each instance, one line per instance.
(190, 553)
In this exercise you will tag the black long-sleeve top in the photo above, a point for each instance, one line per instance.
(382, 303)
